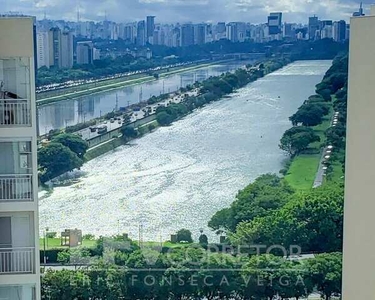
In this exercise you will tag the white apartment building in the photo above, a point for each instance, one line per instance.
(42, 49)
(19, 240)
(359, 221)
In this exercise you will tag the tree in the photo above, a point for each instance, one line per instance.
(222, 220)
(56, 159)
(74, 142)
(297, 139)
(184, 235)
(336, 136)
(325, 93)
(129, 132)
(164, 118)
(326, 273)
(293, 280)
(309, 114)
(266, 194)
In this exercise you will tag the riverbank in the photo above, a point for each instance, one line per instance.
(323, 161)
(115, 84)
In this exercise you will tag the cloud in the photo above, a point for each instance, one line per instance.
(171, 11)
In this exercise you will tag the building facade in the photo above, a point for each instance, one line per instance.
(60, 48)
(85, 53)
(42, 50)
(19, 238)
(359, 240)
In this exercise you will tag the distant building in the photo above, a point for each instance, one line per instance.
(241, 31)
(326, 31)
(42, 49)
(339, 31)
(67, 49)
(288, 30)
(129, 32)
(274, 23)
(200, 31)
(220, 31)
(187, 35)
(96, 54)
(60, 48)
(150, 28)
(232, 32)
(85, 53)
(313, 27)
(141, 33)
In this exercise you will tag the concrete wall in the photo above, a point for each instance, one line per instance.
(15, 36)
(359, 220)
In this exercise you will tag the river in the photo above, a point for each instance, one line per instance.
(179, 176)
(70, 112)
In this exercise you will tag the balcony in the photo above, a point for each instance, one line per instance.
(14, 112)
(17, 260)
(17, 188)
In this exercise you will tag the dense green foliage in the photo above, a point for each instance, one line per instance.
(312, 220)
(195, 274)
(266, 194)
(100, 68)
(56, 159)
(73, 142)
(297, 139)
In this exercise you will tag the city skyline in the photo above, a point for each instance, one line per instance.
(172, 11)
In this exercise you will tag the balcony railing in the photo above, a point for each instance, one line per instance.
(17, 260)
(16, 188)
(15, 112)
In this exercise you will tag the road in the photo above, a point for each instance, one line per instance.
(135, 115)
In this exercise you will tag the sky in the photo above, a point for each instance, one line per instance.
(172, 11)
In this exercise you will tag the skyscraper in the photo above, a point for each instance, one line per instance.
(42, 50)
(200, 31)
(141, 33)
(60, 48)
(187, 35)
(85, 53)
(150, 28)
(67, 49)
(19, 226)
(313, 27)
(274, 23)
(232, 32)
(339, 31)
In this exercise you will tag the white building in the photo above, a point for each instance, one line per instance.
(19, 239)
(359, 222)
(42, 49)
